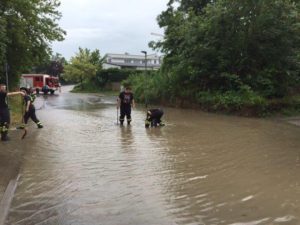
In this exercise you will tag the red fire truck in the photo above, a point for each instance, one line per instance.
(40, 82)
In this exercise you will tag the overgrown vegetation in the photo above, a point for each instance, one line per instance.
(103, 77)
(231, 56)
(155, 89)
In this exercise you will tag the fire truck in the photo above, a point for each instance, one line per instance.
(40, 82)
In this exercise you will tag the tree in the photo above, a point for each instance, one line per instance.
(227, 45)
(27, 29)
(196, 6)
(53, 66)
(83, 66)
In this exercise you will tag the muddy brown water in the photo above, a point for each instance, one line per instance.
(83, 169)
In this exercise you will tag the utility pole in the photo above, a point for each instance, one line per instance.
(6, 76)
(145, 52)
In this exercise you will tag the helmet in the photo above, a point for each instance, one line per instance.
(147, 123)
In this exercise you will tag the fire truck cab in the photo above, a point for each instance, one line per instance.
(40, 82)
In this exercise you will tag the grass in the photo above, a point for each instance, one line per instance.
(286, 107)
(16, 109)
(92, 88)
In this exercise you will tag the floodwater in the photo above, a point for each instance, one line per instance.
(83, 169)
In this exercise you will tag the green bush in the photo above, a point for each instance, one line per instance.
(149, 87)
(232, 101)
(113, 75)
(158, 88)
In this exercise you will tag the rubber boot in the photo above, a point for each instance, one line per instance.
(161, 124)
(21, 127)
(4, 132)
(39, 125)
(147, 123)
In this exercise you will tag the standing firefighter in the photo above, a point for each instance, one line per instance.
(30, 109)
(4, 111)
(125, 102)
(153, 118)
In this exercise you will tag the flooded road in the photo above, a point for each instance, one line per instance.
(83, 169)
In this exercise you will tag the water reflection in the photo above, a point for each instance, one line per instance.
(154, 133)
(127, 139)
(199, 169)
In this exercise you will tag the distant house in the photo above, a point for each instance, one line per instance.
(128, 61)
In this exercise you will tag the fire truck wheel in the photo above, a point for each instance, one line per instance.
(37, 90)
(52, 92)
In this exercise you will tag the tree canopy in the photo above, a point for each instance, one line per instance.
(27, 28)
(224, 45)
(53, 66)
(83, 66)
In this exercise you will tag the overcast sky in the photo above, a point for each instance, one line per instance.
(112, 26)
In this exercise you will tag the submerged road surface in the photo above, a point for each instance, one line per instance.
(83, 169)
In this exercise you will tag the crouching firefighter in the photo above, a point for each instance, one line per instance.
(153, 118)
(125, 102)
(4, 111)
(29, 98)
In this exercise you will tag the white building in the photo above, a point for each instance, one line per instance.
(127, 61)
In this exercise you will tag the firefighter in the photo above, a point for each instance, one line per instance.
(4, 111)
(29, 98)
(32, 94)
(153, 118)
(125, 102)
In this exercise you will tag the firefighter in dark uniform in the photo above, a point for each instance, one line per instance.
(125, 102)
(30, 109)
(4, 111)
(153, 118)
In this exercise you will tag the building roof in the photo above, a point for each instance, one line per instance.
(134, 64)
(129, 56)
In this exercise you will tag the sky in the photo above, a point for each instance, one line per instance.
(112, 26)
